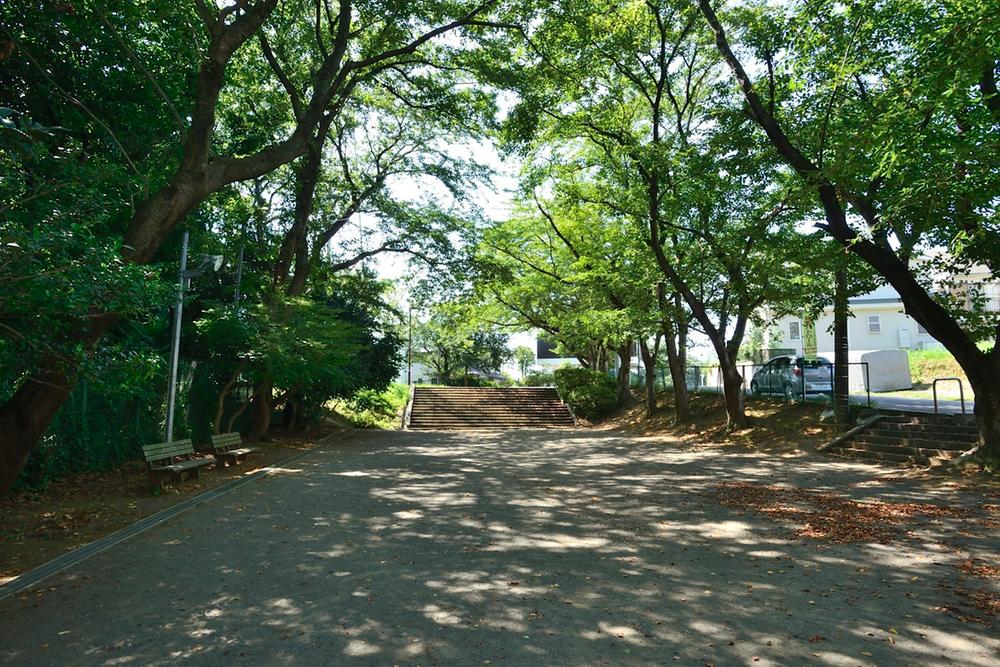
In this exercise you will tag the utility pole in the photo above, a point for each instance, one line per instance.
(239, 264)
(239, 276)
(175, 339)
(409, 348)
(183, 281)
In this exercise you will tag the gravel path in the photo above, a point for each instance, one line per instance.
(519, 548)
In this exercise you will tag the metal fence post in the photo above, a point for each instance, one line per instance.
(868, 383)
(802, 380)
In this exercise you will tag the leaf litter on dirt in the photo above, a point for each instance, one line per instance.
(828, 516)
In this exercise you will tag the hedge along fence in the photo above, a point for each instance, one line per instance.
(591, 394)
(103, 424)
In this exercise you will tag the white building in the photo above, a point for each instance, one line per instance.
(877, 322)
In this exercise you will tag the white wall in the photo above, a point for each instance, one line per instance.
(419, 372)
(893, 322)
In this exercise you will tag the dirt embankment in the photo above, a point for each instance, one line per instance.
(776, 426)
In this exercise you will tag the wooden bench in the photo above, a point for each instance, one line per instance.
(229, 448)
(172, 459)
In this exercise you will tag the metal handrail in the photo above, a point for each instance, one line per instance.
(568, 406)
(409, 407)
(961, 391)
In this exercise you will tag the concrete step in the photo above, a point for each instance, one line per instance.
(459, 423)
(491, 400)
(897, 449)
(484, 427)
(487, 408)
(960, 421)
(491, 406)
(848, 452)
(926, 433)
(927, 443)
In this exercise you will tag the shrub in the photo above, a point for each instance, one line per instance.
(538, 379)
(591, 394)
(369, 408)
(475, 381)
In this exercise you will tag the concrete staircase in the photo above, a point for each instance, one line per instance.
(487, 408)
(908, 439)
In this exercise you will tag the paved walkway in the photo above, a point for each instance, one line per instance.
(521, 548)
(945, 405)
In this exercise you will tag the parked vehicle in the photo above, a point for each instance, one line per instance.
(792, 376)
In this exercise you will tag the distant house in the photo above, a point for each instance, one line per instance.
(877, 322)
(417, 373)
(546, 356)
(977, 284)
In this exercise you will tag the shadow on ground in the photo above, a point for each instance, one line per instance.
(520, 548)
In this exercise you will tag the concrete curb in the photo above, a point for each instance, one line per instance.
(35, 576)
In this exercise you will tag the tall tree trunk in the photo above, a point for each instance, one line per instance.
(294, 245)
(624, 371)
(220, 407)
(675, 362)
(649, 363)
(26, 415)
(682, 335)
(260, 412)
(732, 384)
(987, 410)
(841, 377)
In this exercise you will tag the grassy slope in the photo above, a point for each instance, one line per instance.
(925, 365)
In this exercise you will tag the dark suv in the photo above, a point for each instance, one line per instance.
(788, 376)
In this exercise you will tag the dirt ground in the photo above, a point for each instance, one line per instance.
(36, 527)
(777, 427)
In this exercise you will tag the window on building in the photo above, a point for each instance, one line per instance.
(921, 331)
(794, 330)
(875, 324)
(992, 293)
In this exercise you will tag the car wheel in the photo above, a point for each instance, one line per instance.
(789, 392)
(754, 388)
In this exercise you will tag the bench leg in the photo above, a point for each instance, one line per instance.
(156, 480)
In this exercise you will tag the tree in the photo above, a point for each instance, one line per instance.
(453, 346)
(348, 45)
(649, 131)
(896, 114)
(525, 357)
(344, 211)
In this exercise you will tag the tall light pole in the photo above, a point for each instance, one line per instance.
(183, 280)
(175, 339)
(409, 348)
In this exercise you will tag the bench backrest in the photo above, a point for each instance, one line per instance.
(166, 451)
(226, 441)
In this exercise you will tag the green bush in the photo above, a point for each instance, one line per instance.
(538, 379)
(369, 400)
(369, 408)
(591, 394)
